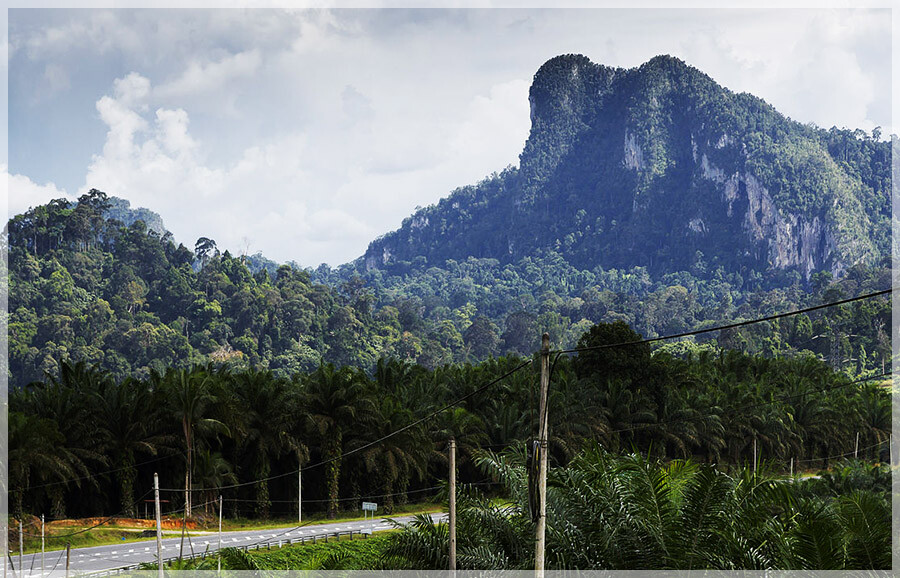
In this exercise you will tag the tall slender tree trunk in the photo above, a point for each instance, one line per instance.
(334, 475)
(262, 490)
(126, 488)
(187, 472)
(388, 497)
(58, 502)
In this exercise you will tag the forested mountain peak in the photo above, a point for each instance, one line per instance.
(661, 167)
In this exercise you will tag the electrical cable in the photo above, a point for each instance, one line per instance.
(746, 407)
(842, 455)
(364, 446)
(83, 530)
(732, 325)
(97, 474)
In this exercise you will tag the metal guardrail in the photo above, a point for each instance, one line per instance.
(246, 548)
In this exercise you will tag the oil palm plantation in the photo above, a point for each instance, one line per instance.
(191, 398)
(629, 513)
(129, 425)
(394, 461)
(266, 429)
(332, 401)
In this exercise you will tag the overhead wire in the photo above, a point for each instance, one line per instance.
(748, 406)
(97, 474)
(369, 444)
(557, 354)
(732, 325)
(843, 455)
(105, 520)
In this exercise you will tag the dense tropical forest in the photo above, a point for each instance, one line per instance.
(85, 287)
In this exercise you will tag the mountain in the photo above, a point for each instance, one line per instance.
(661, 167)
(120, 210)
(649, 196)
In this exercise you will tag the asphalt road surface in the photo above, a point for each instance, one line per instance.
(104, 558)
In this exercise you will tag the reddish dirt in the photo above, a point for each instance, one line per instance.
(170, 523)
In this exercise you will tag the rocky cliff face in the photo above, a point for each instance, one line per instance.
(658, 166)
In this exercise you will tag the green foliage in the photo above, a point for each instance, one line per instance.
(629, 513)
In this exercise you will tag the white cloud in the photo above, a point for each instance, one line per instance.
(311, 132)
(23, 193)
(494, 126)
(131, 89)
(206, 77)
(100, 30)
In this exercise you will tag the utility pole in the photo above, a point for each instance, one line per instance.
(42, 544)
(856, 449)
(541, 526)
(21, 548)
(159, 561)
(452, 504)
(68, 556)
(219, 550)
(183, 520)
(300, 495)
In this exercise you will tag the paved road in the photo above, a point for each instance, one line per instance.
(105, 558)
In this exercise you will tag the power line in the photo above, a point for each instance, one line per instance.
(97, 474)
(748, 406)
(418, 491)
(82, 531)
(731, 325)
(368, 445)
(842, 455)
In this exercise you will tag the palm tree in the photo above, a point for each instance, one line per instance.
(266, 427)
(191, 396)
(212, 471)
(128, 425)
(332, 401)
(66, 400)
(396, 459)
(628, 512)
(38, 455)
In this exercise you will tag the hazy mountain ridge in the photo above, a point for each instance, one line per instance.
(651, 165)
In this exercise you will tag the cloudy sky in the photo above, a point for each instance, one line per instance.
(305, 134)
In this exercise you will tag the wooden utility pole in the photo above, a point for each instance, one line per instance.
(452, 503)
(300, 495)
(219, 549)
(68, 557)
(183, 520)
(42, 544)
(159, 561)
(541, 526)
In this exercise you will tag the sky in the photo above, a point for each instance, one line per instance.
(306, 134)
